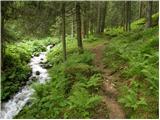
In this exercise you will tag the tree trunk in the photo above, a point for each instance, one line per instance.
(103, 17)
(99, 18)
(140, 9)
(124, 16)
(83, 26)
(72, 31)
(91, 28)
(63, 32)
(2, 42)
(84, 23)
(127, 15)
(149, 14)
(2, 38)
(90, 24)
(78, 21)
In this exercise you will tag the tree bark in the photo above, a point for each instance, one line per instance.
(140, 9)
(127, 15)
(78, 21)
(103, 17)
(72, 31)
(99, 18)
(124, 16)
(149, 14)
(84, 23)
(2, 42)
(63, 32)
(2, 35)
(83, 26)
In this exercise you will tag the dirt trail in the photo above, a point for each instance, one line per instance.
(108, 88)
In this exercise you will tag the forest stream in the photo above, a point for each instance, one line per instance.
(15, 105)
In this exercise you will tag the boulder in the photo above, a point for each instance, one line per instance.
(23, 82)
(29, 82)
(43, 62)
(29, 74)
(37, 73)
(47, 65)
(29, 102)
(34, 78)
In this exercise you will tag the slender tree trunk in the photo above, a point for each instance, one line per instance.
(72, 32)
(140, 9)
(2, 42)
(91, 27)
(87, 25)
(63, 32)
(2, 39)
(124, 16)
(149, 14)
(90, 19)
(127, 15)
(84, 23)
(103, 17)
(78, 21)
(99, 18)
(83, 26)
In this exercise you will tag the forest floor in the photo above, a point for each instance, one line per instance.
(108, 89)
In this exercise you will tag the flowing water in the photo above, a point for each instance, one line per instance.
(15, 105)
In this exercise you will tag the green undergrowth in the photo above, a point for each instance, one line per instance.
(135, 55)
(140, 23)
(113, 32)
(72, 91)
(91, 38)
(16, 58)
(55, 56)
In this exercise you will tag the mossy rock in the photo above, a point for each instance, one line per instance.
(155, 19)
(36, 54)
(142, 21)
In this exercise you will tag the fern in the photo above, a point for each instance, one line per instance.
(131, 99)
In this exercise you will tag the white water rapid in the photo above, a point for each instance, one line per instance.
(15, 105)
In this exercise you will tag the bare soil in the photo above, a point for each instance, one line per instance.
(108, 89)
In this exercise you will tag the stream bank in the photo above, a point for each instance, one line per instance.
(15, 105)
